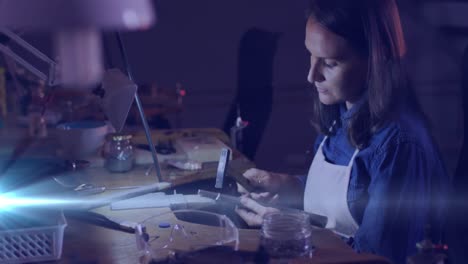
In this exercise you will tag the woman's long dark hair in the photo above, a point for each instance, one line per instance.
(373, 29)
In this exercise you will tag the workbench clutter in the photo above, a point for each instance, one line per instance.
(161, 200)
(81, 140)
(94, 141)
(118, 152)
(171, 235)
(194, 147)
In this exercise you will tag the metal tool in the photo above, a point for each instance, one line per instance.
(236, 134)
(89, 189)
(222, 167)
(81, 188)
(315, 219)
(99, 220)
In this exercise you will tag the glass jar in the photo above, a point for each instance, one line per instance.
(118, 152)
(286, 235)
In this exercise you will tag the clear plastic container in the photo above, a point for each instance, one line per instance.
(183, 231)
(33, 244)
(286, 235)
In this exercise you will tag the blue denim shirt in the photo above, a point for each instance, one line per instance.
(398, 184)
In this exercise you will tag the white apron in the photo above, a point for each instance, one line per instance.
(326, 193)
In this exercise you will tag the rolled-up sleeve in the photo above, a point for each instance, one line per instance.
(405, 178)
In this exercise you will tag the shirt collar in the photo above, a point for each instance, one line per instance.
(346, 114)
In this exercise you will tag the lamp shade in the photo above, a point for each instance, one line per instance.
(52, 15)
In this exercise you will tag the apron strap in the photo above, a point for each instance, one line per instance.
(352, 158)
(322, 143)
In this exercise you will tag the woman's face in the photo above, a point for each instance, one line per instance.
(337, 71)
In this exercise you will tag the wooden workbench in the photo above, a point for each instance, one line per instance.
(85, 243)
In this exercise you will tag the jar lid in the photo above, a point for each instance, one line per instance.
(119, 136)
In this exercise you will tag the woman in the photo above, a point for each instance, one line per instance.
(376, 173)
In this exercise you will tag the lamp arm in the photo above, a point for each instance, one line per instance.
(140, 108)
(50, 78)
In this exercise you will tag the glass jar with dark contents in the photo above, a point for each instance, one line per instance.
(286, 235)
(118, 152)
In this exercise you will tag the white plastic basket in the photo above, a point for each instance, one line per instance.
(33, 244)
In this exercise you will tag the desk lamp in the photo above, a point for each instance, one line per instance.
(76, 27)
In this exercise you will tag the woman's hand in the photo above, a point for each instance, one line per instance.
(288, 188)
(268, 181)
(254, 212)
